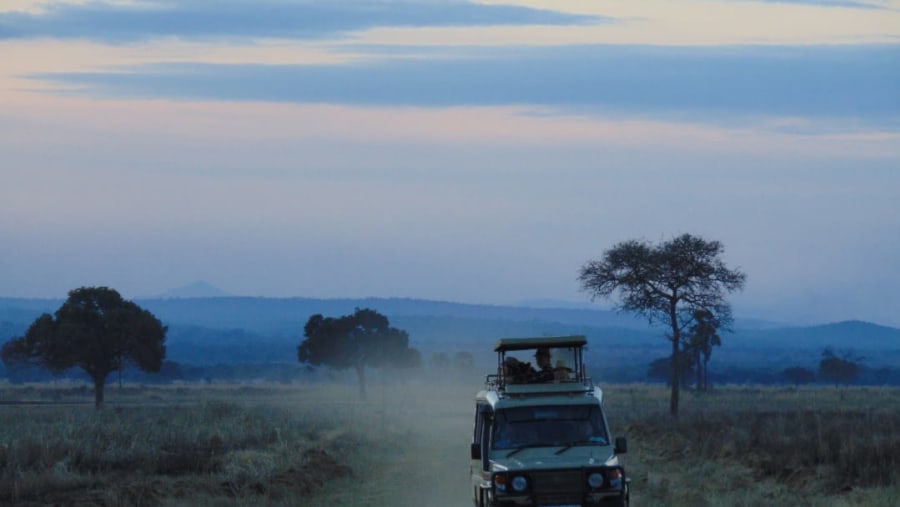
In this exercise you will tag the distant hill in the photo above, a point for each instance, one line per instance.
(199, 289)
(234, 329)
(854, 334)
(288, 315)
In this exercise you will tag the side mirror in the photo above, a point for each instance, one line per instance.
(621, 445)
(476, 451)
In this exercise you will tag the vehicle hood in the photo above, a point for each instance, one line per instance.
(548, 458)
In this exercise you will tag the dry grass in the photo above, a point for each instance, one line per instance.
(749, 447)
(408, 445)
(202, 446)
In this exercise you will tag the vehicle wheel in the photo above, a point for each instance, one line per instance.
(621, 501)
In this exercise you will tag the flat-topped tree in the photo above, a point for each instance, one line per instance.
(95, 330)
(667, 283)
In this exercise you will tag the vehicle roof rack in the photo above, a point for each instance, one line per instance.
(507, 344)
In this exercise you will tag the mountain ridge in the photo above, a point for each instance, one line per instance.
(446, 326)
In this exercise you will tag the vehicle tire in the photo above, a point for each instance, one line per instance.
(621, 501)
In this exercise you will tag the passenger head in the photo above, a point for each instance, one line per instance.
(542, 356)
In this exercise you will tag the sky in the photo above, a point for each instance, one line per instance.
(475, 152)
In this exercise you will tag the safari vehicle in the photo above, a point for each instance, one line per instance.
(541, 437)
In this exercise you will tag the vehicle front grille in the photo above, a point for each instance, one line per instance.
(559, 487)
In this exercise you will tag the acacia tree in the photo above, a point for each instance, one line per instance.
(96, 330)
(356, 341)
(666, 283)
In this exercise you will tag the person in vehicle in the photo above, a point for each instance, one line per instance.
(515, 371)
(544, 362)
(561, 371)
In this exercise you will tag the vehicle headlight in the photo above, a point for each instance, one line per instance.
(500, 482)
(519, 484)
(595, 480)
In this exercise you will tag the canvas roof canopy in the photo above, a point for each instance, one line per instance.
(507, 344)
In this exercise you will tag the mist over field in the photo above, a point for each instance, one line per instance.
(219, 334)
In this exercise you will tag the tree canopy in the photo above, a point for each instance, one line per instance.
(96, 330)
(364, 338)
(667, 283)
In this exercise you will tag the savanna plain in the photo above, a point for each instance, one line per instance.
(408, 444)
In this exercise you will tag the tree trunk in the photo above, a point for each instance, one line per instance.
(699, 369)
(706, 375)
(676, 380)
(676, 363)
(99, 382)
(361, 375)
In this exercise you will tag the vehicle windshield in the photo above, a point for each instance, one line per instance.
(519, 427)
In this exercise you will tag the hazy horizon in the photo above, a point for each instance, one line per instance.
(744, 318)
(474, 152)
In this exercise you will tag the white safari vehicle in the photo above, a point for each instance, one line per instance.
(541, 437)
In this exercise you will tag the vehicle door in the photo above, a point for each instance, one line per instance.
(480, 453)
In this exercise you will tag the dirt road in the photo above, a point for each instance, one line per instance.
(421, 455)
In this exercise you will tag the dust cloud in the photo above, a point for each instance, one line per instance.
(415, 446)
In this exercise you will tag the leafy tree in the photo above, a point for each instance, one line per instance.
(798, 375)
(701, 338)
(840, 370)
(356, 341)
(96, 330)
(667, 283)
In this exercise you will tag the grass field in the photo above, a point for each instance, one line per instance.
(408, 445)
(746, 447)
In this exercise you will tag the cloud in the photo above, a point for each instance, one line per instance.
(847, 4)
(263, 18)
(803, 81)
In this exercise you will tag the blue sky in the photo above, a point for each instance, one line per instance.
(118, 22)
(474, 152)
